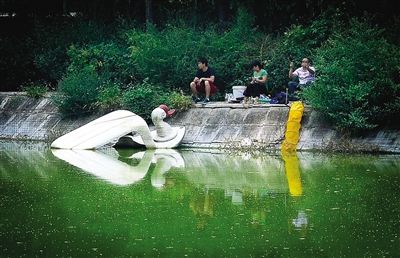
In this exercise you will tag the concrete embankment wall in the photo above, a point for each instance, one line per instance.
(216, 125)
(219, 124)
(25, 118)
(318, 134)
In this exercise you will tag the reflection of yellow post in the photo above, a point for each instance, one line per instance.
(293, 124)
(292, 169)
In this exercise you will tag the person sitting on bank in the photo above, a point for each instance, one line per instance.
(305, 73)
(257, 84)
(203, 82)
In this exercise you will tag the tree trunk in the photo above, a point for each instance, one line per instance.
(149, 11)
(195, 15)
(64, 7)
(222, 6)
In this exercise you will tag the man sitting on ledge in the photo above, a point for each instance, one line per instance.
(305, 73)
(203, 82)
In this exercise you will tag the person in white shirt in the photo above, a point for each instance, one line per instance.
(305, 74)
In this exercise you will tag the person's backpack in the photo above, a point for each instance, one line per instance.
(280, 98)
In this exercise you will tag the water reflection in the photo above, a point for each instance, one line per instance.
(245, 180)
(300, 221)
(109, 167)
(236, 175)
(196, 203)
(293, 176)
(165, 159)
(292, 170)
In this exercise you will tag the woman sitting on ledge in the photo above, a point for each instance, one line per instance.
(257, 83)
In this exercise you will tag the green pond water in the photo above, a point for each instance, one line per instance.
(193, 203)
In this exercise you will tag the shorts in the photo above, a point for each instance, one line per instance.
(201, 88)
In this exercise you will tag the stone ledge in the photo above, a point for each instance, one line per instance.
(221, 104)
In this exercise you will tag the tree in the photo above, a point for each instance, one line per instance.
(149, 11)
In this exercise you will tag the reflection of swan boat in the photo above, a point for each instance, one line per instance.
(105, 166)
(111, 127)
(109, 168)
(164, 160)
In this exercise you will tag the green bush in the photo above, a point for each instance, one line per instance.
(357, 85)
(78, 92)
(110, 61)
(143, 97)
(35, 90)
(109, 97)
(178, 101)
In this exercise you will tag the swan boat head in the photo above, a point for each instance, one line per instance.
(164, 132)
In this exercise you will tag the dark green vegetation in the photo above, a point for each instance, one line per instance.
(215, 206)
(35, 89)
(358, 84)
(139, 54)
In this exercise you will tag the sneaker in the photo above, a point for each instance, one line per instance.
(195, 99)
(205, 101)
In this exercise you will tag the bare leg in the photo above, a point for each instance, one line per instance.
(246, 102)
(193, 88)
(207, 88)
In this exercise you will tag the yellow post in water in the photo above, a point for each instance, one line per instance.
(289, 146)
(293, 125)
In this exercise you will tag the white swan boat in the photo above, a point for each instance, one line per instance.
(119, 125)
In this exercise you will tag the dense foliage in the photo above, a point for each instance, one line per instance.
(79, 91)
(98, 61)
(148, 67)
(170, 55)
(358, 84)
(35, 89)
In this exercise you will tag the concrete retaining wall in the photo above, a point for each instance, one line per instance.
(24, 118)
(219, 124)
(215, 125)
(318, 134)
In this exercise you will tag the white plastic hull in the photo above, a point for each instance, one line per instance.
(108, 129)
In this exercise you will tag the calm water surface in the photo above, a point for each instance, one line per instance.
(57, 203)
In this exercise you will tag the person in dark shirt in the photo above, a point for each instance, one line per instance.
(203, 82)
